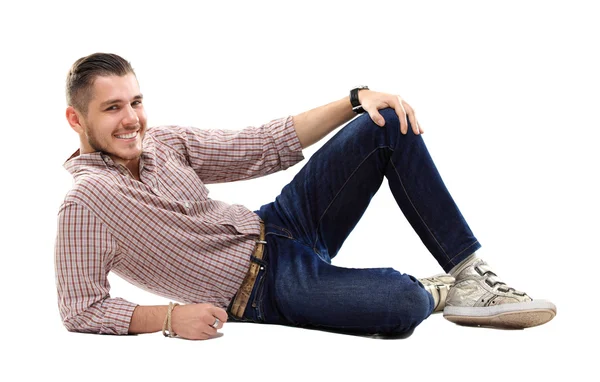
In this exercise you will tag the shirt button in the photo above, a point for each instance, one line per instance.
(155, 190)
(187, 205)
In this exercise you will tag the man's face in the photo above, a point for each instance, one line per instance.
(116, 121)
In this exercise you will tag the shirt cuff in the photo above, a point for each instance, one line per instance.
(117, 316)
(287, 141)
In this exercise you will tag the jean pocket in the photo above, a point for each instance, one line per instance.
(273, 229)
(257, 300)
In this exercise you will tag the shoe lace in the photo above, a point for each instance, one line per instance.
(492, 280)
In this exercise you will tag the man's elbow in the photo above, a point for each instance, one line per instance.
(78, 325)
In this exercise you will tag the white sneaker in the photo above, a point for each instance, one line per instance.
(479, 298)
(438, 286)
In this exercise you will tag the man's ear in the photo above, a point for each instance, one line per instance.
(74, 119)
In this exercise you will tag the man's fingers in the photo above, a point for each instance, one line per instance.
(413, 119)
(377, 118)
(213, 321)
(401, 111)
(210, 331)
(404, 111)
(219, 313)
(216, 316)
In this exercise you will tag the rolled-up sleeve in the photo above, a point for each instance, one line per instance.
(84, 252)
(219, 156)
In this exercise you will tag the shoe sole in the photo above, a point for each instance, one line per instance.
(506, 316)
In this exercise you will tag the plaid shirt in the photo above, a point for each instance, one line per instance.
(163, 233)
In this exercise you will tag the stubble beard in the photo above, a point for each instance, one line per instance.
(97, 146)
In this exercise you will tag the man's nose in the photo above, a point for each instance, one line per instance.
(131, 117)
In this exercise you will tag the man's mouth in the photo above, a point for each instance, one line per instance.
(127, 136)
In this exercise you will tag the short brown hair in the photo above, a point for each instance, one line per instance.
(83, 73)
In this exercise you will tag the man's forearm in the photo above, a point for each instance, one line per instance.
(314, 124)
(191, 321)
(147, 319)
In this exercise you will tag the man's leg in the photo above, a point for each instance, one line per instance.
(311, 218)
(301, 289)
(326, 199)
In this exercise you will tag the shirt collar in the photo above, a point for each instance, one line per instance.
(78, 162)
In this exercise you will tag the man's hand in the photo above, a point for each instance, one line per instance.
(373, 101)
(194, 321)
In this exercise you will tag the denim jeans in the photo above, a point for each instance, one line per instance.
(308, 222)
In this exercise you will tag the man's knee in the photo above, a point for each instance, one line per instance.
(390, 116)
(410, 304)
(389, 134)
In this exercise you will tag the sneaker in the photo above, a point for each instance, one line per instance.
(479, 298)
(438, 286)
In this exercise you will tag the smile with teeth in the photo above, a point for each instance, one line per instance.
(127, 136)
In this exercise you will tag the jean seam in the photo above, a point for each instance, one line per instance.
(312, 248)
(417, 211)
(469, 246)
(282, 205)
(340, 190)
(290, 235)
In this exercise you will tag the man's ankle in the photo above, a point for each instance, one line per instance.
(463, 264)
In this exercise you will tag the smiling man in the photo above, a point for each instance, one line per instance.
(111, 120)
(139, 207)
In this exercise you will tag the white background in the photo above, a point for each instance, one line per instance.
(507, 93)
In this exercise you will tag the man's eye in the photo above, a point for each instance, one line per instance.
(114, 107)
(135, 103)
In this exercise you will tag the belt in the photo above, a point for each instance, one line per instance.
(243, 295)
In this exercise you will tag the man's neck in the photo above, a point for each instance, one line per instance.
(132, 165)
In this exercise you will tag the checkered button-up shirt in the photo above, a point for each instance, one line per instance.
(162, 233)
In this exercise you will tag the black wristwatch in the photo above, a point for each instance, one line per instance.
(356, 106)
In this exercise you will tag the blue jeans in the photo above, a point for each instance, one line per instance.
(308, 222)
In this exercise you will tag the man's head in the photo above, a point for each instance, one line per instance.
(105, 106)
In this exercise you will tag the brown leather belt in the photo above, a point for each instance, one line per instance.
(243, 295)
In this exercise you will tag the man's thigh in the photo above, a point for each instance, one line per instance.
(327, 198)
(306, 290)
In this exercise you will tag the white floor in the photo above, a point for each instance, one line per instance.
(252, 352)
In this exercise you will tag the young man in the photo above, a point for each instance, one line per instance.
(139, 208)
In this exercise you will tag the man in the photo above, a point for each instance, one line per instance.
(139, 208)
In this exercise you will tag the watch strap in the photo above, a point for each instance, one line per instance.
(356, 106)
